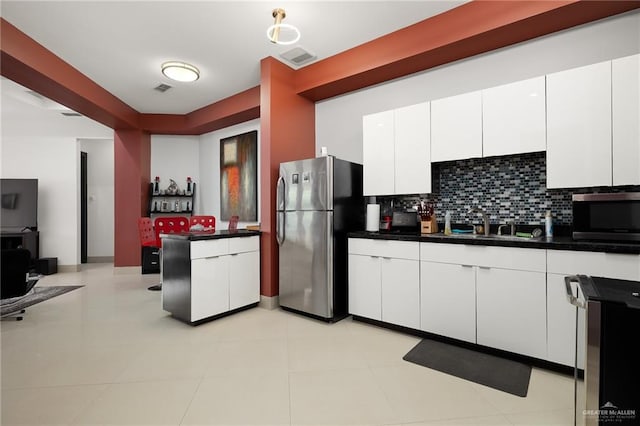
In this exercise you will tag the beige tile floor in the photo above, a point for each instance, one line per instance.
(107, 354)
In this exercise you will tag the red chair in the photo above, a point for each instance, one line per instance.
(170, 225)
(148, 237)
(209, 222)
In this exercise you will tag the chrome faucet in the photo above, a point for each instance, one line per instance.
(512, 227)
(485, 218)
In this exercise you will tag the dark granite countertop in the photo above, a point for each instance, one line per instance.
(208, 235)
(555, 243)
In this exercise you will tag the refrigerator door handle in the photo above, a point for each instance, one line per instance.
(280, 228)
(280, 193)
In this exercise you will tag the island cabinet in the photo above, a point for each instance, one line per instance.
(384, 281)
(209, 275)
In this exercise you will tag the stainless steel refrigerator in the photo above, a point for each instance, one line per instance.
(319, 201)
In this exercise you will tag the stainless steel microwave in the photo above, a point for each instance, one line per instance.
(607, 217)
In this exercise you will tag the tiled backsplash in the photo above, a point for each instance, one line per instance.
(509, 187)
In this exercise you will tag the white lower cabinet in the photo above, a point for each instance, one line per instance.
(365, 286)
(448, 300)
(561, 324)
(228, 280)
(401, 291)
(244, 279)
(210, 287)
(209, 277)
(510, 310)
(384, 281)
(507, 298)
(495, 298)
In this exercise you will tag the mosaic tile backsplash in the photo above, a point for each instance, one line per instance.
(508, 188)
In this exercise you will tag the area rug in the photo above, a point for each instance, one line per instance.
(488, 370)
(37, 295)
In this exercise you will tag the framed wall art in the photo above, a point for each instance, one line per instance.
(239, 177)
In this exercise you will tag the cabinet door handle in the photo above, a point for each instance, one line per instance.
(234, 254)
(467, 266)
(484, 267)
(375, 257)
(386, 258)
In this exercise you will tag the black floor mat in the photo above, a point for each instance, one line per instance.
(489, 370)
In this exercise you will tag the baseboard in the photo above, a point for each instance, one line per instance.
(68, 268)
(269, 303)
(127, 270)
(100, 259)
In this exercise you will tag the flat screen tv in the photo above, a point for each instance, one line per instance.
(19, 204)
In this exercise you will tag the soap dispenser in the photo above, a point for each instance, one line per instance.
(447, 223)
(548, 224)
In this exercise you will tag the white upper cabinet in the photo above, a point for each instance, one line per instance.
(377, 153)
(626, 120)
(396, 148)
(456, 127)
(412, 150)
(579, 127)
(513, 118)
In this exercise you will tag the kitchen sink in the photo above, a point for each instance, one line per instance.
(470, 236)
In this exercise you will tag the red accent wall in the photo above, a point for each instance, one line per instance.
(132, 159)
(470, 29)
(287, 132)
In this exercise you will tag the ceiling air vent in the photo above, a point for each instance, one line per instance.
(162, 87)
(71, 114)
(298, 56)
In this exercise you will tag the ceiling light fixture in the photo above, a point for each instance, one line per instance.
(180, 71)
(275, 30)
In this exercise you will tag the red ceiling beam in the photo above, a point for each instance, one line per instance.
(236, 109)
(470, 29)
(31, 65)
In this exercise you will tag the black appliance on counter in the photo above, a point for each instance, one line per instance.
(612, 217)
(405, 222)
(610, 392)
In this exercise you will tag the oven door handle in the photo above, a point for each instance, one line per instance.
(574, 300)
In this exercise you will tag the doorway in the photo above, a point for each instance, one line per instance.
(83, 207)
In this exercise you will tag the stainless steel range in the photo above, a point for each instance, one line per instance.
(610, 392)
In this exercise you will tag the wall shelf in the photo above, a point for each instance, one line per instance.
(171, 204)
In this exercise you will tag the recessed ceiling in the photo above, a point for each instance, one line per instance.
(121, 44)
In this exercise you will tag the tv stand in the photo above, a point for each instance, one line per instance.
(29, 240)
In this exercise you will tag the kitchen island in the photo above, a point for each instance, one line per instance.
(206, 275)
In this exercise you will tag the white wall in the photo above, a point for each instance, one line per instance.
(209, 198)
(339, 120)
(100, 194)
(43, 144)
(176, 157)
